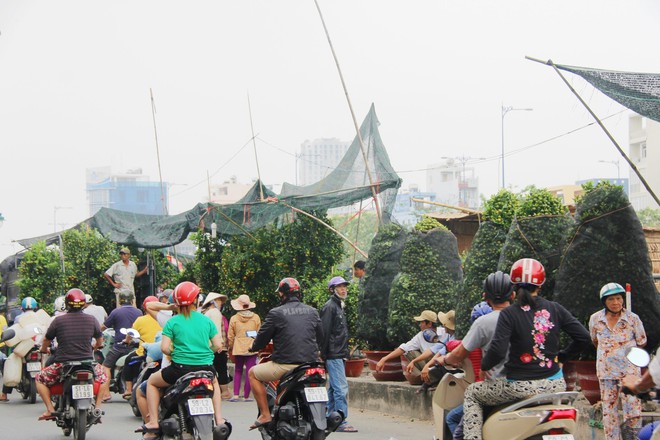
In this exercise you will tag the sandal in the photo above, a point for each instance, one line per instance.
(346, 428)
(144, 430)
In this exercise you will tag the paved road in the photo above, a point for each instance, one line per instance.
(18, 421)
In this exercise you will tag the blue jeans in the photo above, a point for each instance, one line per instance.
(338, 390)
(454, 418)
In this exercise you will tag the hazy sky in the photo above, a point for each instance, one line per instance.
(75, 79)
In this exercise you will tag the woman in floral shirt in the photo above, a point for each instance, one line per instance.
(613, 330)
(529, 330)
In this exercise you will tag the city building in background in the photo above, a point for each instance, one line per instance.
(644, 152)
(317, 158)
(454, 183)
(230, 191)
(130, 191)
(407, 212)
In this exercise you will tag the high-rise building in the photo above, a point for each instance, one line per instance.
(130, 191)
(453, 183)
(644, 152)
(317, 158)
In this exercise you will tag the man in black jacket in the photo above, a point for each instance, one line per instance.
(335, 349)
(295, 329)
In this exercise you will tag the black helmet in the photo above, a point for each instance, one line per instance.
(288, 286)
(498, 287)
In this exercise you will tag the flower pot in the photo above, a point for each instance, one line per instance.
(392, 370)
(412, 378)
(354, 367)
(588, 380)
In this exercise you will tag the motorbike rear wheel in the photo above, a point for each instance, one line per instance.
(317, 434)
(80, 424)
(33, 391)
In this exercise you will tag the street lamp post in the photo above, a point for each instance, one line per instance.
(505, 110)
(613, 162)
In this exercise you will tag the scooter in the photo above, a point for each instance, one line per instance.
(31, 367)
(298, 406)
(73, 399)
(550, 416)
(641, 358)
(147, 370)
(186, 410)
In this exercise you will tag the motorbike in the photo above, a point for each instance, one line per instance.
(31, 367)
(132, 340)
(73, 399)
(186, 410)
(641, 358)
(298, 406)
(549, 416)
(147, 370)
(30, 364)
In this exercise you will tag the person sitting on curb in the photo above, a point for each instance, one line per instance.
(448, 321)
(413, 348)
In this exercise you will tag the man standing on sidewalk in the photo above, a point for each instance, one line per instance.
(334, 349)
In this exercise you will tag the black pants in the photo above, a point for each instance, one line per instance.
(220, 365)
(132, 368)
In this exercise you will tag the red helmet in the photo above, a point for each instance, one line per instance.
(289, 286)
(528, 271)
(75, 299)
(148, 300)
(185, 293)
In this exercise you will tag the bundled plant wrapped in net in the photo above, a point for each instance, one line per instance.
(481, 260)
(540, 238)
(382, 266)
(430, 275)
(537, 232)
(607, 244)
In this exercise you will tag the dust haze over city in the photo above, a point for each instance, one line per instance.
(75, 81)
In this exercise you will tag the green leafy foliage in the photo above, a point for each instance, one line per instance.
(502, 207)
(205, 269)
(382, 266)
(607, 244)
(427, 224)
(537, 202)
(360, 229)
(303, 249)
(430, 275)
(40, 274)
(481, 260)
(649, 217)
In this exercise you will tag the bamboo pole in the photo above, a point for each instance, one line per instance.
(602, 126)
(444, 205)
(350, 107)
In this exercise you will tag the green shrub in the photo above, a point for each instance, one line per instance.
(428, 223)
(382, 266)
(501, 208)
(481, 260)
(430, 275)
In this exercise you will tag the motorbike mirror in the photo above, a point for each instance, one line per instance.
(7, 335)
(638, 356)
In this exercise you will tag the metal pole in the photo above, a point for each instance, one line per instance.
(506, 110)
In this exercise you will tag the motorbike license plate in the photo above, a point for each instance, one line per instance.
(559, 437)
(82, 391)
(198, 407)
(34, 366)
(316, 394)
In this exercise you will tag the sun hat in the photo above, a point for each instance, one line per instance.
(213, 296)
(242, 303)
(448, 319)
(427, 315)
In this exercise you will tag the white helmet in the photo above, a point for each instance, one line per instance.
(88, 298)
(59, 305)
